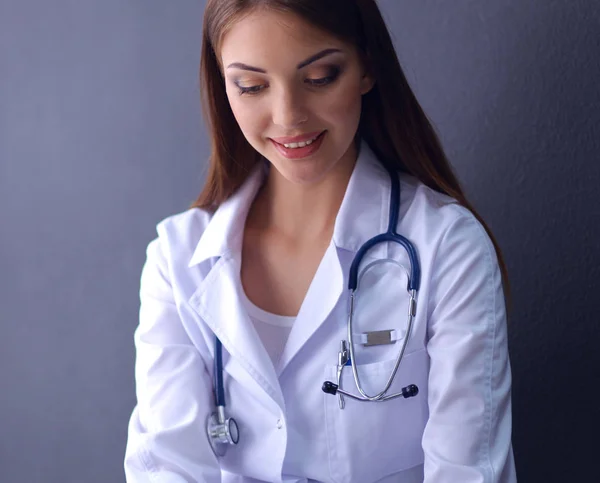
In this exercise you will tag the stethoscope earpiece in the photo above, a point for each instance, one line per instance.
(329, 387)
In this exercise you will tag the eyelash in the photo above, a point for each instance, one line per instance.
(322, 82)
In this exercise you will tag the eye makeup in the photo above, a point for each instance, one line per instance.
(332, 73)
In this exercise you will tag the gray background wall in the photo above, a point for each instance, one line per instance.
(101, 137)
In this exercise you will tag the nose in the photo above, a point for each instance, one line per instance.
(289, 109)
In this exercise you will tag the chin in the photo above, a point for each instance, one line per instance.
(309, 174)
(302, 176)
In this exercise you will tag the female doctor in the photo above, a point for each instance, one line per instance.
(316, 137)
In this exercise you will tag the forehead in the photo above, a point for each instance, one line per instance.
(268, 33)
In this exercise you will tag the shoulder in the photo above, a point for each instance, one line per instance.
(457, 255)
(438, 218)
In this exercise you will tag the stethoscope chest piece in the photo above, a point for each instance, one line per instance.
(222, 432)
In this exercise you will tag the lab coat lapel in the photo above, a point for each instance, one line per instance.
(219, 303)
(322, 296)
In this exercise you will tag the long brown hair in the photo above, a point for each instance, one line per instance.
(392, 122)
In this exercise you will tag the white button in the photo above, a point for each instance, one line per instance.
(279, 424)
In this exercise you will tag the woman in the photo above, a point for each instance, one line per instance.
(311, 120)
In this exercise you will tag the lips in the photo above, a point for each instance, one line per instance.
(303, 152)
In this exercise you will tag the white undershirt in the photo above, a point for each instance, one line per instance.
(272, 329)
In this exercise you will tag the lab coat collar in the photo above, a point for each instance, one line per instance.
(365, 208)
(363, 213)
(225, 232)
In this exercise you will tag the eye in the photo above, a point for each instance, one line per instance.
(252, 90)
(323, 81)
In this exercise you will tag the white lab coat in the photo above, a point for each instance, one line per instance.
(456, 430)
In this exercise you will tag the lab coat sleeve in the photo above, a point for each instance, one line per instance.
(167, 439)
(467, 438)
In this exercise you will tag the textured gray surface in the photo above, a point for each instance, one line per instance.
(101, 137)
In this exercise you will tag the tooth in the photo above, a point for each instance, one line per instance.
(301, 144)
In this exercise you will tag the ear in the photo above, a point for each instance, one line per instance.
(368, 80)
(366, 84)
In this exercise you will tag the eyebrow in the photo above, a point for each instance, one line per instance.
(304, 63)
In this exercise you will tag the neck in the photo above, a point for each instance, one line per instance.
(302, 212)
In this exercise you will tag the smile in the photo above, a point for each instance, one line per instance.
(301, 149)
(302, 144)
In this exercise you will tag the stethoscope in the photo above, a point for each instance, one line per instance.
(224, 432)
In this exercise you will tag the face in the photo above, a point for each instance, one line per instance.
(295, 92)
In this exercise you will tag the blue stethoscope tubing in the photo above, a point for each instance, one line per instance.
(223, 431)
(390, 236)
(218, 374)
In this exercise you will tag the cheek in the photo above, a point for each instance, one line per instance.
(239, 112)
(343, 107)
(246, 113)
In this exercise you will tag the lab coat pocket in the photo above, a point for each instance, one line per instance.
(370, 440)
